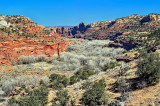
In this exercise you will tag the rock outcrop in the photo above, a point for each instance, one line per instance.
(21, 25)
(126, 30)
(20, 36)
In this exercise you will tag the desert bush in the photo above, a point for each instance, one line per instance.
(149, 68)
(40, 58)
(74, 79)
(119, 84)
(27, 59)
(124, 96)
(114, 103)
(58, 81)
(95, 96)
(61, 99)
(31, 59)
(110, 65)
(141, 84)
(36, 97)
(92, 54)
(12, 101)
(81, 74)
(93, 48)
(97, 70)
(9, 83)
(87, 85)
(84, 74)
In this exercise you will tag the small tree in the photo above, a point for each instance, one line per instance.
(110, 65)
(87, 85)
(12, 100)
(81, 74)
(61, 99)
(120, 84)
(114, 103)
(149, 68)
(58, 81)
(96, 95)
(36, 97)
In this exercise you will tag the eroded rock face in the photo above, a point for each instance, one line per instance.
(10, 51)
(82, 27)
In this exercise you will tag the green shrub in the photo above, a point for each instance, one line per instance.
(124, 96)
(58, 81)
(81, 74)
(149, 68)
(87, 85)
(62, 98)
(12, 100)
(42, 83)
(37, 97)
(84, 74)
(120, 84)
(95, 96)
(18, 91)
(155, 34)
(23, 86)
(74, 79)
(110, 65)
(114, 103)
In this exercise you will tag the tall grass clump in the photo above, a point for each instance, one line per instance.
(92, 54)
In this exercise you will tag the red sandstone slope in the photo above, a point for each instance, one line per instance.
(10, 51)
(21, 36)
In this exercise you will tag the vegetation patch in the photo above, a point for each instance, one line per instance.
(96, 96)
(149, 68)
(36, 97)
(58, 81)
(81, 75)
(90, 54)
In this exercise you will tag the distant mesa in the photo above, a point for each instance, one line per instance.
(61, 26)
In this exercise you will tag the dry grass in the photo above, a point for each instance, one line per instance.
(148, 95)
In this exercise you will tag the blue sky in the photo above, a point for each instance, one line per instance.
(72, 12)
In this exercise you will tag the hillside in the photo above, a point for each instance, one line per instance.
(20, 36)
(87, 65)
(126, 31)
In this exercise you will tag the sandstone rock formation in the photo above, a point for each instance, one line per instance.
(20, 36)
(21, 25)
(125, 30)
